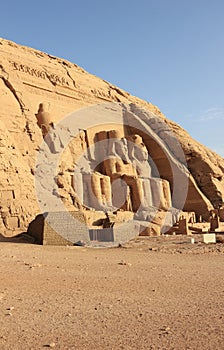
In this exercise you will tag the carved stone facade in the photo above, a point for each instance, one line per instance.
(112, 174)
(28, 77)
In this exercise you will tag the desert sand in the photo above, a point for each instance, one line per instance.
(146, 295)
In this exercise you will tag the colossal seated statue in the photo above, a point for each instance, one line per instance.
(126, 185)
(127, 162)
(117, 162)
(92, 187)
(138, 155)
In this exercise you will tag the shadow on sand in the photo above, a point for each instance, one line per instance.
(20, 238)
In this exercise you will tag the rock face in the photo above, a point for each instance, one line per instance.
(103, 155)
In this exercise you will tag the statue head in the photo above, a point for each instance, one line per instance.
(137, 139)
(44, 119)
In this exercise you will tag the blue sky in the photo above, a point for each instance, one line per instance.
(168, 52)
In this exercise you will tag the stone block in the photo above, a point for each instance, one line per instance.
(126, 231)
(209, 238)
(151, 230)
(59, 228)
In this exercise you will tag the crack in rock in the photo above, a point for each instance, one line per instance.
(5, 77)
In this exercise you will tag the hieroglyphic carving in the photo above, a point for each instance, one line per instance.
(40, 73)
(105, 96)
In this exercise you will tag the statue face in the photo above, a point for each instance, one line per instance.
(137, 139)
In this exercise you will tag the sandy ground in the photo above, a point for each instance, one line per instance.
(146, 295)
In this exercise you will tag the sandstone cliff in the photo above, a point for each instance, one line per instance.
(29, 77)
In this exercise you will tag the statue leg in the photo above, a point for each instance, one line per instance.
(106, 190)
(137, 195)
(160, 193)
(96, 191)
(147, 192)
